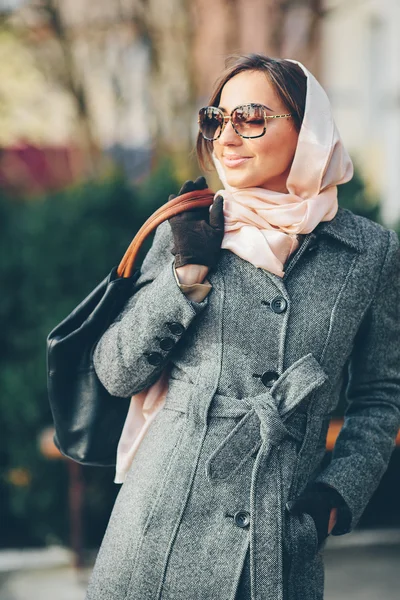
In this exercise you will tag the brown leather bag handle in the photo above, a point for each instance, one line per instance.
(196, 199)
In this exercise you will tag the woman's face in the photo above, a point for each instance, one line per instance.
(261, 162)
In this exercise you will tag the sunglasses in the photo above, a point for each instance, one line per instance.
(248, 120)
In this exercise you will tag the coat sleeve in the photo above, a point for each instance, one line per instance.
(372, 418)
(134, 349)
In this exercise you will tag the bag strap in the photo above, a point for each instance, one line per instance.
(196, 199)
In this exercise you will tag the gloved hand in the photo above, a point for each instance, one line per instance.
(198, 233)
(317, 500)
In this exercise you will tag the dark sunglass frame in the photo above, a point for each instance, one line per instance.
(226, 118)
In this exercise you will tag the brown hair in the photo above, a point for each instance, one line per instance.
(288, 79)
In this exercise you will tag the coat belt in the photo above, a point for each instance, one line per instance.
(263, 420)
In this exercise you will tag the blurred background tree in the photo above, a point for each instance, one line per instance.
(88, 52)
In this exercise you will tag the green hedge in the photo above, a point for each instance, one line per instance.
(353, 195)
(53, 253)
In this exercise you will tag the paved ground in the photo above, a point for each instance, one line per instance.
(360, 566)
(58, 583)
(365, 566)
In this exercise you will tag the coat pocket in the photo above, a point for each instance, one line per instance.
(301, 537)
(300, 554)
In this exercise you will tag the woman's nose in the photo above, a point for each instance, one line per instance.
(229, 136)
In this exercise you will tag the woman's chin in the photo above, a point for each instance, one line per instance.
(242, 181)
(239, 180)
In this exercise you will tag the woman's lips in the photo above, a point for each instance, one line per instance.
(234, 161)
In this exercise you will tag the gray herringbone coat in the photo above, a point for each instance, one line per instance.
(229, 440)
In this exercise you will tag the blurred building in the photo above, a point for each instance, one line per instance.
(360, 71)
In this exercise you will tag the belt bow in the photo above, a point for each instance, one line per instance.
(262, 423)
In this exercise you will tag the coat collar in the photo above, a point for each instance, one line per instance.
(344, 228)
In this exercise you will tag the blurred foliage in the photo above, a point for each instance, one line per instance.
(353, 195)
(54, 251)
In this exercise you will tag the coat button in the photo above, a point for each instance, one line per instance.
(176, 328)
(154, 358)
(167, 343)
(241, 518)
(279, 304)
(269, 377)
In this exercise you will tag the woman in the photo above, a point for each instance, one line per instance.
(258, 308)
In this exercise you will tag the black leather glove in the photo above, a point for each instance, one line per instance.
(198, 233)
(317, 500)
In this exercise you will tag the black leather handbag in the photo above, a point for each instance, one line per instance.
(88, 420)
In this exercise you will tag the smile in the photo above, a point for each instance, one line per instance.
(234, 161)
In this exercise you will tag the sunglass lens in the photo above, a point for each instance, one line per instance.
(210, 122)
(249, 121)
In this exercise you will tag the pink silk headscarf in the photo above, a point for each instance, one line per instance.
(261, 226)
